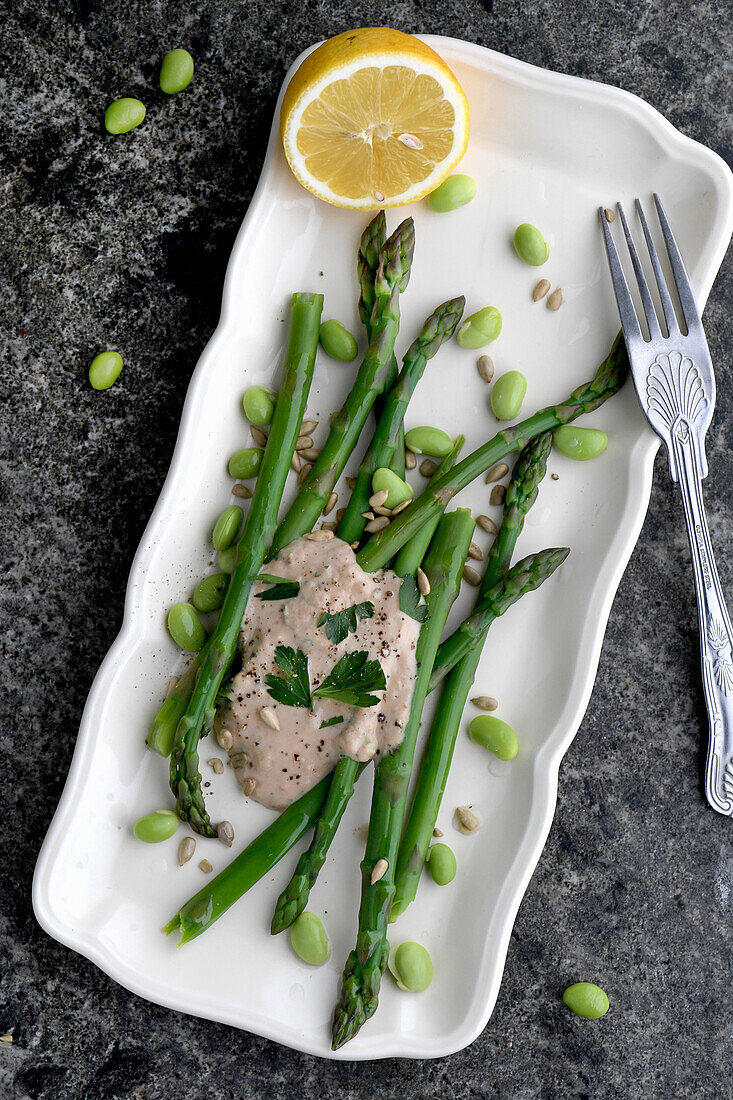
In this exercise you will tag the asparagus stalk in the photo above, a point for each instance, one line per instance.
(609, 377)
(367, 264)
(391, 278)
(443, 566)
(185, 778)
(525, 576)
(438, 328)
(294, 898)
(259, 857)
(172, 709)
(413, 552)
(528, 472)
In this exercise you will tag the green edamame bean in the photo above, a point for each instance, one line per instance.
(337, 341)
(530, 245)
(245, 464)
(411, 966)
(123, 115)
(508, 394)
(480, 328)
(442, 864)
(210, 592)
(398, 491)
(176, 71)
(185, 627)
(491, 733)
(104, 369)
(454, 192)
(227, 527)
(258, 405)
(586, 999)
(579, 443)
(309, 940)
(429, 441)
(152, 828)
(227, 559)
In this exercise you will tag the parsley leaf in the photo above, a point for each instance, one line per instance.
(342, 623)
(283, 590)
(352, 679)
(293, 689)
(331, 722)
(410, 600)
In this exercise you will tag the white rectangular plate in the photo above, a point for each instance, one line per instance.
(545, 148)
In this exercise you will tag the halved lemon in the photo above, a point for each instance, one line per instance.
(373, 118)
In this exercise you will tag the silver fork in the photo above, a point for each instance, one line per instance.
(675, 384)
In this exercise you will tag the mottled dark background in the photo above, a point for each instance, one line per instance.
(125, 243)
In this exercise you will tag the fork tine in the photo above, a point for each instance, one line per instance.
(646, 299)
(629, 321)
(667, 305)
(682, 282)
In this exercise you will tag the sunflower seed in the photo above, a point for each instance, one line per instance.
(554, 477)
(540, 289)
(310, 454)
(224, 739)
(367, 515)
(248, 786)
(471, 575)
(304, 443)
(238, 760)
(225, 833)
(329, 526)
(295, 463)
(206, 867)
(383, 512)
(377, 500)
(555, 300)
(475, 552)
(242, 491)
(497, 495)
(610, 215)
(340, 513)
(377, 524)
(437, 831)
(307, 427)
(268, 716)
(331, 503)
(428, 467)
(485, 702)
(497, 472)
(379, 870)
(216, 764)
(487, 524)
(185, 850)
(258, 436)
(320, 536)
(351, 482)
(465, 820)
(400, 507)
(410, 460)
(485, 367)
(305, 470)
(422, 582)
(354, 545)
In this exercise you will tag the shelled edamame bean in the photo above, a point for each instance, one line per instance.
(185, 627)
(210, 592)
(227, 527)
(337, 341)
(155, 827)
(259, 405)
(441, 864)
(586, 999)
(398, 491)
(176, 71)
(124, 115)
(454, 192)
(309, 940)
(480, 328)
(245, 463)
(429, 441)
(579, 443)
(530, 245)
(491, 733)
(507, 395)
(104, 369)
(411, 966)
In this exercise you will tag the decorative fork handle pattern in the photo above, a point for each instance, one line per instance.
(716, 636)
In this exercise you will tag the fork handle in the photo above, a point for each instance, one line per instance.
(716, 636)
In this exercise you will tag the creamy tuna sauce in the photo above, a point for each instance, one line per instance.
(287, 762)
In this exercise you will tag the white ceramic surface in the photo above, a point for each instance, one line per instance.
(545, 148)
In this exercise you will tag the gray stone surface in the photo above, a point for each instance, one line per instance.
(104, 246)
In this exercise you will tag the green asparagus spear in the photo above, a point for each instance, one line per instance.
(609, 377)
(413, 552)
(259, 525)
(528, 472)
(443, 566)
(391, 277)
(259, 857)
(438, 328)
(525, 576)
(367, 264)
(172, 709)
